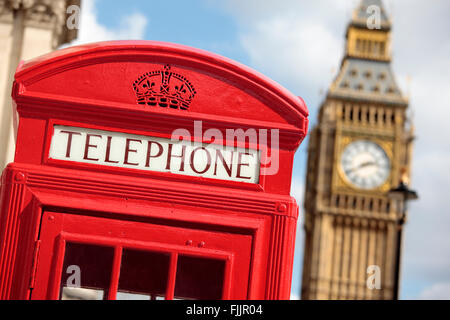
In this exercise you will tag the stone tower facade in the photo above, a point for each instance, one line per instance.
(28, 28)
(356, 154)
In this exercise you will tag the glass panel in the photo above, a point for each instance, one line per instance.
(131, 296)
(199, 278)
(143, 275)
(70, 293)
(86, 272)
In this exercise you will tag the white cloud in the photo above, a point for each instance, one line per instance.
(298, 43)
(249, 11)
(438, 291)
(298, 190)
(293, 50)
(131, 26)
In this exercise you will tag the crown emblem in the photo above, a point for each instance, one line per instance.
(164, 88)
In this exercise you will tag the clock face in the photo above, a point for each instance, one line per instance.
(365, 164)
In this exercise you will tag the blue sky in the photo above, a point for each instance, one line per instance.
(299, 44)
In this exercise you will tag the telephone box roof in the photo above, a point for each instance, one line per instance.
(70, 57)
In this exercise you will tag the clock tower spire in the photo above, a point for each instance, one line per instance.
(356, 153)
(368, 33)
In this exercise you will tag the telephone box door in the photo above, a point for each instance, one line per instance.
(86, 257)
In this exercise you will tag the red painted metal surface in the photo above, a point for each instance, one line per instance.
(48, 203)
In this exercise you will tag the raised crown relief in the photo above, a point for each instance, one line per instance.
(164, 88)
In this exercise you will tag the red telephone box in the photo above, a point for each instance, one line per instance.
(147, 170)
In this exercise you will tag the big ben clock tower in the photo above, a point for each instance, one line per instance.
(356, 154)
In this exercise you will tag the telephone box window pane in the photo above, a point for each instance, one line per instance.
(136, 296)
(131, 296)
(87, 268)
(143, 273)
(199, 278)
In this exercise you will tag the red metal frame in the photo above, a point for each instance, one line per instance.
(91, 87)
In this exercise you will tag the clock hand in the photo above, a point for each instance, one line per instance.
(366, 164)
(362, 165)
